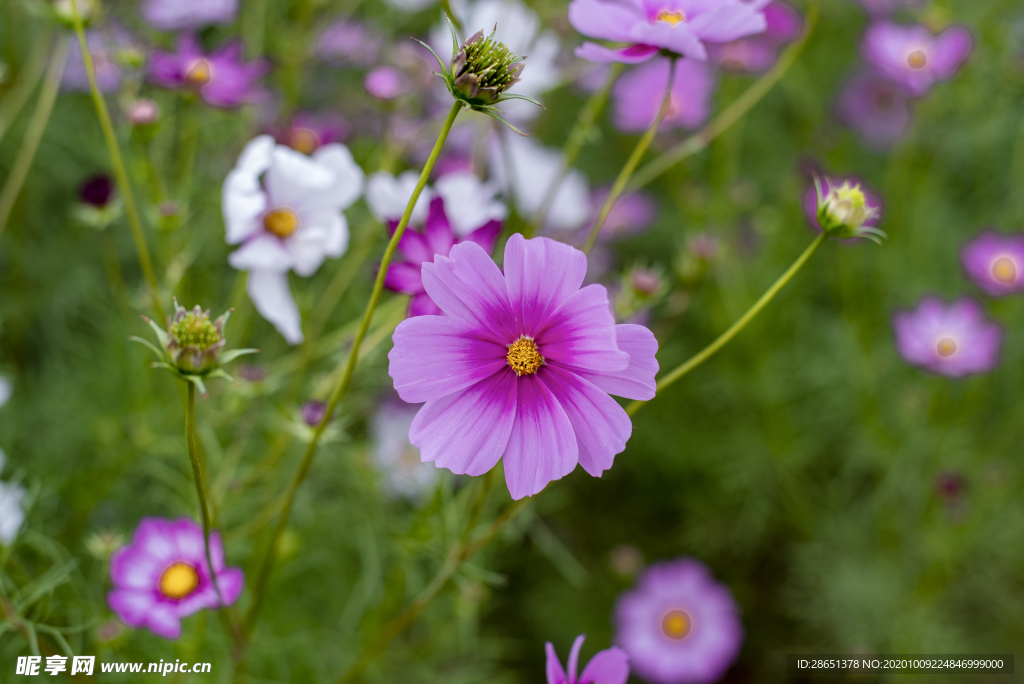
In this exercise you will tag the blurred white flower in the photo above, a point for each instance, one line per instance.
(12, 515)
(534, 168)
(284, 209)
(396, 459)
(388, 195)
(469, 202)
(6, 388)
(520, 29)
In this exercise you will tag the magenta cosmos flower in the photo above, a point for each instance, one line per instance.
(913, 57)
(757, 53)
(162, 576)
(995, 262)
(679, 626)
(610, 666)
(172, 15)
(639, 93)
(875, 107)
(954, 340)
(520, 365)
(221, 78)
(419, 248)
(649, 26)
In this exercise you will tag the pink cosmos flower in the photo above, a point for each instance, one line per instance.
(679, 626)
(418, 248)
(912, 56)
(639, 93)
(995, 262)
(385, 83)
(172, 15)
(954, 340)
(520, 366)
(221, 78)
(875, 107)
(163, 576)
(610, 666)
(648, 26)
(757, 53)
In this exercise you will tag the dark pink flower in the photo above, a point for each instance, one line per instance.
(97, 190)
(163, 576)
(418, 248)
(954, 340)
(610, 666)
(875, 107)
(639, 93)
(757, 53)
(679, 626)
(912, 56)
(520, 366)
(995, 262)
(680, 27)
(221, 78)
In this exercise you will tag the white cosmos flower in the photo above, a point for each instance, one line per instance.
(387, 196)
(12, 513)
(394, 456)
(469, 202)
(520, 29)
(533, 169)
(284, 210)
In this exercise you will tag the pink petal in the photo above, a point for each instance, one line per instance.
(423, 305)
(404, 277)
(636, 381)
(231, 582)
(574, 657)
(485, 236)
(679, 39)
(437, 229)
(728, 22)
(435, 356)
(542, 446)
(605, 20)
(602, 427)
(414, 246)
(556, 675)
(634, 54)
(952, 48)
(467, 431)
(607, 667)
(581, 334)
(468, 286)
(541, 275)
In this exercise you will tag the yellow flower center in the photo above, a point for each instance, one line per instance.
(304, 140)
(523, 356)
(282, 222)
(917, 59)
(676, 624)
(670, 17)
(200, 73)
(178, 581)
(1004, 270)
(946, 346)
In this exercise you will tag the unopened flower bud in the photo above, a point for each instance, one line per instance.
(313, 412)
(62, 10)
(844, 212)
(483, 69)
(142, 112)
(193, 340)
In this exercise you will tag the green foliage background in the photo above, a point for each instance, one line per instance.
(799, 464)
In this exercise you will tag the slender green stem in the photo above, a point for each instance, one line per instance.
(120, 173)
(34, 133)
(731, 114)
(708, 351)
(260, 587)
(631, 163)
(580, 133)
(28, 77)
(197, 475)
(457, 556)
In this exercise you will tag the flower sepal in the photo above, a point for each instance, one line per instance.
(843, 212)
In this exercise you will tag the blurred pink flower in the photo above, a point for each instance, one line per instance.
(875, 107)
(954, 340)
(349, 41)
(104, 48)
(308, 132)
(995, 262)
(912, 56)
(610, 666)
(639, 93)
(172, 15)
(648, 26)
(385, 83)
(221, 78)
(757, 53)
(632, 213)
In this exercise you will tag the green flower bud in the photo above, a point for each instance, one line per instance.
(844, 211)
(483, 69)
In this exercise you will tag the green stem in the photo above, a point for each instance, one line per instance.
(34, 133)
(120, 174)
(307, 459)
(197, 475)
(579, 134)
(631, 163)
(28, 77)
(708, 351)
(731, 114)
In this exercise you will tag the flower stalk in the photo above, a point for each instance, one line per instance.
(723, 339)
(631, 163)
(197, 475)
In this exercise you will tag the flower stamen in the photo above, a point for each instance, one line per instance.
(946, 347)
(670, 17)
(199, 74)
(178, 581)
(282, 222)
(676, 624)
(1004, 270)
(523, 356)
(305, 141)
(917, 59)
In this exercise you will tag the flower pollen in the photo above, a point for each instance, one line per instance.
(676, 624)
(946, 347)
(917, 59)
(523, 356)
(304, 140)
(282, 222)
(670, 17)
(1004, 270)
(178, 581)
(200, 73)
